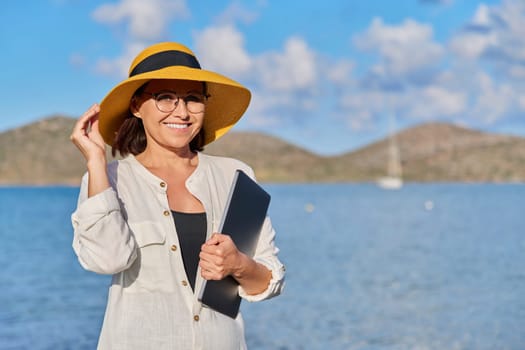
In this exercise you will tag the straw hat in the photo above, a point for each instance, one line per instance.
(168, 60)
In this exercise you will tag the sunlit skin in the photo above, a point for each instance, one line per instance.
(161, 137)
(168, 156)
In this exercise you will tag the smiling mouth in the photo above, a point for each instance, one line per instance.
(177, 126)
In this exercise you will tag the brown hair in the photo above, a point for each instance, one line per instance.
(131, 136)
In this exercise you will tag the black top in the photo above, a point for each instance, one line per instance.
(191, 229)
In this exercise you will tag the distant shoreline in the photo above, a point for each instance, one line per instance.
(41, 154)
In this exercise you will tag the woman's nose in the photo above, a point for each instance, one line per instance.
(181, 110)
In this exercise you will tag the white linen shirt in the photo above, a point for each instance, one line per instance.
(128, 231)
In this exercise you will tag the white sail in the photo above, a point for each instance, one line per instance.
(394, 171)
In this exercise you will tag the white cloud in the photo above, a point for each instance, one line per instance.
(145, 22)
(493, 101)
(493, 45)
(222, 49)
(147, 19)
(340, 73)
(236, 12)
(411, 74)
(119, 66)
(293, 69)
(521, 102)
(281, 80)
(482, 16)
(478, 76)
(477, 38)
(517, 72)
(495, 34)
(360, 108)
(472, 45)
(402, 49)
(260, 113)
(434, 102)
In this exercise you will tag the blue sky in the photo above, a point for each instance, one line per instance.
(325, 75)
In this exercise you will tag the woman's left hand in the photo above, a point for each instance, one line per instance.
(219, 257)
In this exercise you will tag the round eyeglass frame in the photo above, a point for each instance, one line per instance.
(190, 104)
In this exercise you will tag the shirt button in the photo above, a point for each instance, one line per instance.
(162, 184)
(173, 247)
(166, 213)
(196, 318)
(184, 283)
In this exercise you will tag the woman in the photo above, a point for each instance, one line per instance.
(151, 219)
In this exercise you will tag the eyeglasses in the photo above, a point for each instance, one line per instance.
(167, 101)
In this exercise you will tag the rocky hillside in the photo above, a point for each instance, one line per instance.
(41, 154)
(444, 152)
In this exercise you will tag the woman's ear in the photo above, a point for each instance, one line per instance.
(134, 108)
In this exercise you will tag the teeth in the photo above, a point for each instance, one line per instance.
(176, 126)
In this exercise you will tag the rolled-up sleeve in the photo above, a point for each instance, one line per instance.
(102, 239)
(266, 254)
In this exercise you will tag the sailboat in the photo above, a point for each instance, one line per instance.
(394, 176)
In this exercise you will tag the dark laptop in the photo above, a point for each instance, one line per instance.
(243, 218)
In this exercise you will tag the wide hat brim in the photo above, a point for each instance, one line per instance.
(227, 102)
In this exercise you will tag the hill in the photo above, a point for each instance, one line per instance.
(41, 154)
(446, 153)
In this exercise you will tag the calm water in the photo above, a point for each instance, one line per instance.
(427, 267)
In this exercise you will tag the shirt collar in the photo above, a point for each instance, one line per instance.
(156, 181)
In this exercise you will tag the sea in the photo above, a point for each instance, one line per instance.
(429, 266)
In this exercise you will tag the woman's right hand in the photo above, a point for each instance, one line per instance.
(87, 137)
(89, 141)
